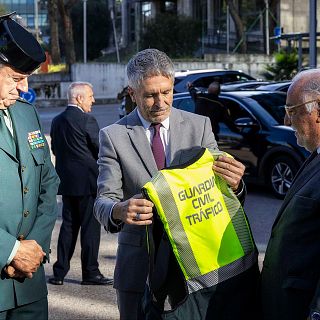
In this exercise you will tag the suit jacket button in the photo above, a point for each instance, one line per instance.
(25, 190)
(26, 213)
(21, 237)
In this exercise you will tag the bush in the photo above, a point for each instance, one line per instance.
(284, 68)
(176, 36)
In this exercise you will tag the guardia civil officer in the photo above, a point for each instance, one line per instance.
(28, 181)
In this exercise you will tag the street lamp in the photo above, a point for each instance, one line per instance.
(84, 31)
(36, 20)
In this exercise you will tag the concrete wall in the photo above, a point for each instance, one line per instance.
(109, 78)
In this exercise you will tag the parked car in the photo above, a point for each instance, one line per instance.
(262, 143)
(275, 86)
(202, 78)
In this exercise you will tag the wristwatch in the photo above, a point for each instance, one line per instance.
(315, 315)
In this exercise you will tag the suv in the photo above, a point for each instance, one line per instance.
(262, 143)
(202, 78)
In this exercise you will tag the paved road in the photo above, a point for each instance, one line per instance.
(73, 301)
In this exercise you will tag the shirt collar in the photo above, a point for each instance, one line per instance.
(146, 124)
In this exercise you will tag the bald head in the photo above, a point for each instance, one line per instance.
(307, 85)
(214, 88)
(302, 112)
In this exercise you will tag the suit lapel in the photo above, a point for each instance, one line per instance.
(175, 132)
(4, 145)
(140, 142)
(305, 173)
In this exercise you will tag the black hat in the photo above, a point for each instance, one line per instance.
(18, 47)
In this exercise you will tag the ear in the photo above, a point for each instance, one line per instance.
(79, 99)
(131, 93)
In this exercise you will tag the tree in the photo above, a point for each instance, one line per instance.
(65, 7)
(52, 7)
(98, 28)
(284, 68)
(177, 36)
(240, 27)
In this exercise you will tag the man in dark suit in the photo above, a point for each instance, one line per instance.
(127, 162)
(209, 105)
(28, 181)
(291, 269)
(75, 143)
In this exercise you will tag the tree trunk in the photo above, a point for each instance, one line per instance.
(65, 13)
(240, 28)
(54, 31)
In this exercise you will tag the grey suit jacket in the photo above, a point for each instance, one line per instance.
(291, 271)
(126, 163)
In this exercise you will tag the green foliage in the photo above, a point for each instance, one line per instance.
(284, 68)
(3, 9)
(98, 28)
(175, 35)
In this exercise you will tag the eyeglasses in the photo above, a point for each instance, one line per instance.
(289, 109)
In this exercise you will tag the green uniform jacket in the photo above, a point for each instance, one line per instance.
(28, 209)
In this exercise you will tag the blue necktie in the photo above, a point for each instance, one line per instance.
(157, 147)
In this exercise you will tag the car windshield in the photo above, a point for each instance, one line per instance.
(273, 103)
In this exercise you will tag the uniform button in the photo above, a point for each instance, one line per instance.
(23, 168)
(26, 213)
(25, 190)
(21, 237)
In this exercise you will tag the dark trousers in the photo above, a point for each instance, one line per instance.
(129, 305)
(77, 212)
(31, 311)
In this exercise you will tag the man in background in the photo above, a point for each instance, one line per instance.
(75, 143)
(209, 105)
(28, 181)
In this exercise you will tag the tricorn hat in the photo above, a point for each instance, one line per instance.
(18, 47)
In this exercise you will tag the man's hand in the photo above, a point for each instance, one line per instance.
(230, 170)
(28, 257)
(13, 273)
(135, 210)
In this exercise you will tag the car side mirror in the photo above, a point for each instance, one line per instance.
(245, 123)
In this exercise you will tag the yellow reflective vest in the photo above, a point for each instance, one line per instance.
(204, 221)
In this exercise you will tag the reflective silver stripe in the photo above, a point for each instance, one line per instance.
(223, 273)
(176, 228)
(237, 216)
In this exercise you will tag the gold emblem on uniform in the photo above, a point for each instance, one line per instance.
(35, 139)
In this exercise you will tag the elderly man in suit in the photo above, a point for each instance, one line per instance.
(28, 182)
(291, 269)
(128, 159)
(75, 143)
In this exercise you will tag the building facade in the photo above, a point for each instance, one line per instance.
(32, 14)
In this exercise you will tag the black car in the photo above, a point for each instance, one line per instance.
(202, 78)
(243, 85)
(282, 86)
(262, 143)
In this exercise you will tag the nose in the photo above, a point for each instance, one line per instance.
(287, 120)
(159, 100)
(22, 85)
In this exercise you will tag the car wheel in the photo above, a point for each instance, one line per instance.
(280, 175)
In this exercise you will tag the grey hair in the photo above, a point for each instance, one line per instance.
(311, 87)
(149, 63)
(76, 88)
